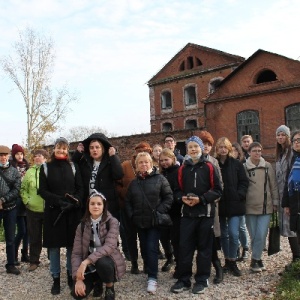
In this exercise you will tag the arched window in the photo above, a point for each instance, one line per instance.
(190, 124)
(166, 100)
(248, 123)
(190, 95)
(292, 116)
(167, 127)
(266, 76)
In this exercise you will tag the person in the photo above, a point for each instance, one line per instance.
(96, 249)
(21, 164)
(170, 142)
(197, 188)
(100, 168)
(149, 191)
(129, 170)
(237, 153)
(10, 183)
(284, 155)
(156, 150)
(262, 200)
(34, 204)
(246, 140)
(61, 188)
(232, 204)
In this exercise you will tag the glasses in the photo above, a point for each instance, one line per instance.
(256, 151)
(297, 140)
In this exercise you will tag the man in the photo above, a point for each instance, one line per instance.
(246, 140)
(170, 142)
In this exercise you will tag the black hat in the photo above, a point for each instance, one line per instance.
(99, 137)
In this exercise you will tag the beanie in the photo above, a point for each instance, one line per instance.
(284, 129)
(61, 140)
(196, 140)
(143, 147)
(206, 137)
(15, 149)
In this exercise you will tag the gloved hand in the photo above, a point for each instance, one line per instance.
(65, 206)
(73, 200)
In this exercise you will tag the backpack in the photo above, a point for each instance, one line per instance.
(294, 177)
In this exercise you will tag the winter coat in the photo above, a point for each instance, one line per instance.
(255, 195)
(60, 179)
(233, 200)
(159, 195)
(9, 192)
(108, 235)
(30, 190)
(202, 180)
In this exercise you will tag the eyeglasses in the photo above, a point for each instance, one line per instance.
(297, 140)
(256, 151)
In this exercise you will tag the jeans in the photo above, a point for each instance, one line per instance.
(230, 235)
(54, 256)
(243, 233)
(9, 218)
(258, 226)
(149, 241)
(22, 234)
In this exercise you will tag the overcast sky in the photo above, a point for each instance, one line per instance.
(106, 51)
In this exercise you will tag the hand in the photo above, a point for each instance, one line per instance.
(191, 201)
(111, 151)
(286, 210)
(74, 200)
(65, 206)
(80, 148)
(80, 288)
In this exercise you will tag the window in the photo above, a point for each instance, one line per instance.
(248, 123)
(166, 127)
(190, 124)
(266, 76)
(166, 100)
(190, 95)
(292, 116)
(214, 83)
(189, 63)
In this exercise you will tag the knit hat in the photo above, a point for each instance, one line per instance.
(41, 152)
(143, 147)
(4, 149)
(196, 140)
(284, 129)
(61, 140)
(206, 137)
(15, 149)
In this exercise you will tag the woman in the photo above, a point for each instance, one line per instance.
(156, 150)
(261, 201)
(61, 188)
(34, 207)
(148, 192)
(95, 255)
(100, 167)
(232, 204)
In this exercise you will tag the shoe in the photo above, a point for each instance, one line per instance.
(167, 265)
(152, 286)
(11, 269)
(254, 267)
(226, 267)
(98, 289)
(245, 254)
(179, 287)
(234, 270)
(24, 257)
(134, 268)
(17, 263)
(32, 267)
(55, 289)
(261, 265)
(109, 293)
(219, 272)
(199, 287)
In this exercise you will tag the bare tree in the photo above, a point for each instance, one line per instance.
(79, 133)
(31, 68)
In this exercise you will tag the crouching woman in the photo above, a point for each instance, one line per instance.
(96, 257)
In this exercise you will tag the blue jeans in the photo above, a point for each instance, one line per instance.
(22, 234)
(149, 241)
(258, 226)
(54, 256)
(243, 233)
(9, 218)
(230, 235)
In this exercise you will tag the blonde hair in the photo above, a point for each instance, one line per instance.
(169, 153)
(143, 154)
(227, 143)
(246, 136)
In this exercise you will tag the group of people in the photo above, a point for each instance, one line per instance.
(207, 201)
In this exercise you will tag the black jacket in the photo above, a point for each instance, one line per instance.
(158, 192)
(233, 200)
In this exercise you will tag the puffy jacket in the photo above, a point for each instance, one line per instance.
(159, 195)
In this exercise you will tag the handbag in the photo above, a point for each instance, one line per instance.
(274, 235)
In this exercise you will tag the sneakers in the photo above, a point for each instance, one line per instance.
(245, 254)
(11, 269)
(109, 293)
(32, 267)
(179, 287)
(254, 267)
(234, 269)
(152, 286)
(199, 287)
(261, 265)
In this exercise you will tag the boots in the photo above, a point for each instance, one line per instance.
(219, 272)
(70, 279)
(24, 257)
(167, 265)
(55, 289)
(134, 268)
(226, 267)
(234, 269)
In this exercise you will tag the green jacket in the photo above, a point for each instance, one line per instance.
(29, 190)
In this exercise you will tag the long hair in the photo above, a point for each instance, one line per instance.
(226, 142)
(280, 149)
(168, 153)
(239, 149)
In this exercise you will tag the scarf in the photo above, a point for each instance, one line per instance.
(294, 177)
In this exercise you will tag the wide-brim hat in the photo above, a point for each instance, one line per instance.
(4, 149)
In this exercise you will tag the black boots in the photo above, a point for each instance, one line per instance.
(24, 257)
(235, 271)
(70, 279)
(219, 272)
(134, 268)
(55, 289)
(226, 267)
(167, 265)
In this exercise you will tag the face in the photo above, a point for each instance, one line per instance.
(296, 142)
(246, 143)
(222, 150)
(166, 161)
(96, 150)
(61, 150)
(281, 138)
(235, 153)
(156, 151)
(207, 148)
(194, 150)
(96, 207)
(170, 143)
(255, 153)
(39, 159)
(4, 158)
(143, 164)
(19, 156)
